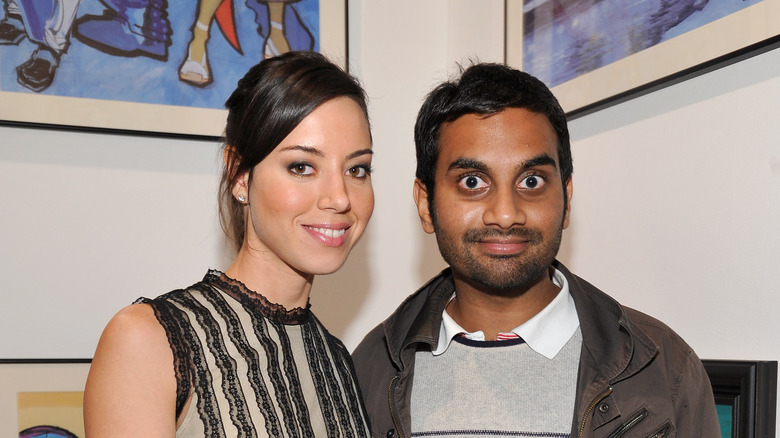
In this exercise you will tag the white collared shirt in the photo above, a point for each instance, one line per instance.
(546, 333)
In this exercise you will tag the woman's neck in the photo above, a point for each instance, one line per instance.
(277, 282)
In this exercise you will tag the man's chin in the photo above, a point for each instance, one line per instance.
(507, 282)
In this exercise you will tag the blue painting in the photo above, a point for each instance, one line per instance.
(184, 53)
(725, 417)
(564, 39)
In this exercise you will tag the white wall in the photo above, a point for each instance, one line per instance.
(675, 211)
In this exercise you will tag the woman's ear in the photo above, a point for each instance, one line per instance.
(240, 188)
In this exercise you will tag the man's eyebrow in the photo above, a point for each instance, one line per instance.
(467, 163)
(539, 160)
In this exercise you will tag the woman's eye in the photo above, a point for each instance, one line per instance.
(301, 169)
(532, 182)
(472, 182)
(357, 171)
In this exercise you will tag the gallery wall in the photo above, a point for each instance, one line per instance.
(675, 210)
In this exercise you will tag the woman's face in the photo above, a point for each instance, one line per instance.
(310, 199)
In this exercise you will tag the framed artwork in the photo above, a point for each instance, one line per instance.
(148, 66)
(42, 397)
(595, 53)
(745, 396)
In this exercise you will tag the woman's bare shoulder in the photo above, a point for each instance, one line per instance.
(131, 377)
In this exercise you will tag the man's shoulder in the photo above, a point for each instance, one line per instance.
(662, 335)
(372, 341)
(660, 366)
(600, 309)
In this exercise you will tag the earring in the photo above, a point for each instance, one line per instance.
(241, 198)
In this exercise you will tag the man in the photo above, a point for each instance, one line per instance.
(507, 341)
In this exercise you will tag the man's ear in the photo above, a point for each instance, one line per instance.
(420, 194)
(569, 191)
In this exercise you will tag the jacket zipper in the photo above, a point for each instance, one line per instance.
(661, 433)
(392, 407)
(601, 397)
(633, 421)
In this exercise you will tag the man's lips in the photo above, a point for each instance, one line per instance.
(503, 242)
(503, 246)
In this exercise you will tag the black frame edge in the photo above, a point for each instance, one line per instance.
(753, 384)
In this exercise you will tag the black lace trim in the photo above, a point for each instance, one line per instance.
(239, 291)
(180, 339)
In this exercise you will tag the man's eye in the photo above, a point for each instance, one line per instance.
(532, 182)
(301, 169)
(472, 182)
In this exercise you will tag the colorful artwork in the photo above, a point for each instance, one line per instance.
(42, 398)
(596, 53)
(50, 414)
(567, 38)
(147, 51)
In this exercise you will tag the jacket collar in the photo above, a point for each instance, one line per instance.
(418, 318)
(613, 348)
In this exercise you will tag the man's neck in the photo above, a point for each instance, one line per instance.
(477, 308)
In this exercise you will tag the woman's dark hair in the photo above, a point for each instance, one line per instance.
(485, 89)
(268, 103)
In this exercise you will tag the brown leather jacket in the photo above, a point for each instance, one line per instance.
(637, 378)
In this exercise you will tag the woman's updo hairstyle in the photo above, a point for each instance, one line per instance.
(269, 102)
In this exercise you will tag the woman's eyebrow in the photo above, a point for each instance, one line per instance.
(319, 153)
(359, 153)
(307, 149)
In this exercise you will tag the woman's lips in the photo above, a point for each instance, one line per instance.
(330, 235)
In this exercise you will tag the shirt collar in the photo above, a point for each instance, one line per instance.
(546, 333)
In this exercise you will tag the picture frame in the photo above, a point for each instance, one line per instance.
(726, 40)
(97, 87)
(42, 392)
(745, 396)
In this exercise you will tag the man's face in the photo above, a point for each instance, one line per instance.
(499, 208)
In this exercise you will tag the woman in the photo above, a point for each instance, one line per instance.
(239, 353)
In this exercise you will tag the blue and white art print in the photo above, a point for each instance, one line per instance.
(150, 52)
(591, 50)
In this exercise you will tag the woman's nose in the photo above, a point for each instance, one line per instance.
(334, 195)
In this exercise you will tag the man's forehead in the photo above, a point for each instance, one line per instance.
(513, 136)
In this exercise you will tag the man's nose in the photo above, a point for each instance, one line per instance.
(504, 208)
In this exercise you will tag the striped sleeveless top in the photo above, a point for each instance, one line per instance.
(254, 369)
